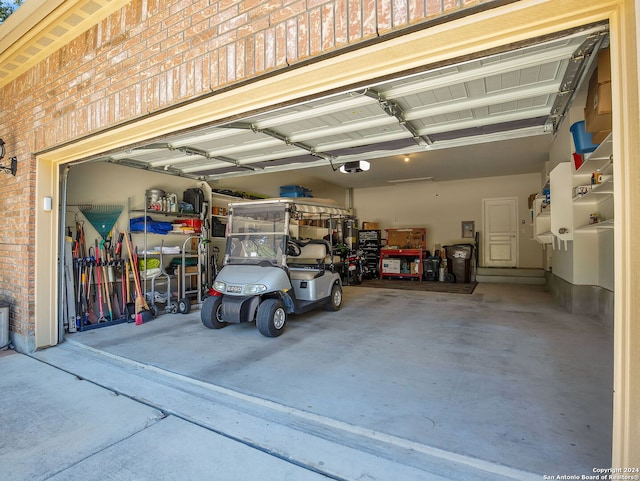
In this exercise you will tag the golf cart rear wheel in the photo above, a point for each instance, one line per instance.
(211, 313)
(271, 318)
(184, 306)
(335, 300)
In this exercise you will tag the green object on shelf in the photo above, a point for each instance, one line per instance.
(148, 264)
(189, 261)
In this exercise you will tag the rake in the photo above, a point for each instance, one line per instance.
(101, 216)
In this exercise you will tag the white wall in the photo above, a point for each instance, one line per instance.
(269, 185)
(103, 183)
(438, 206)
(442, 206)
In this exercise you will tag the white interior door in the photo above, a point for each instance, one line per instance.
(500, 230)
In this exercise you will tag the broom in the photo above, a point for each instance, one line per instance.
(141, 303)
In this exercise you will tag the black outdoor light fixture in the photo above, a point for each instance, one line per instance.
(14, 161)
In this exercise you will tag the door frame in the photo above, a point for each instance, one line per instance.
(526, 19)
(485, 243)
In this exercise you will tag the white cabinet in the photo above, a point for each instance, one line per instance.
(581, 200)
(593, 201)
(561, 203)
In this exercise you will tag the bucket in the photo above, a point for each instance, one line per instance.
(577, 160)
(153, 198)
(582, 138)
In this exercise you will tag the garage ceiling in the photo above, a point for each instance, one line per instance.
(494, 115)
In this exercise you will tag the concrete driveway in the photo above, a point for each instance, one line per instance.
(503, 381)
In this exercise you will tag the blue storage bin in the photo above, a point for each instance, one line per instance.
(582, 138)
(294, 191)
(295, 194)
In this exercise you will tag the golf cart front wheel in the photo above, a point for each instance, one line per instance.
(184, 306)
(211, 313)
(271, 318)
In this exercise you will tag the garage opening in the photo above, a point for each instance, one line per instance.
(439, 143)
(488, 117)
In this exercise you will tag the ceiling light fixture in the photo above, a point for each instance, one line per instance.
(14, 161)
(414, 179)
(355, 167)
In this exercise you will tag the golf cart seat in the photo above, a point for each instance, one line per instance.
(312, 261)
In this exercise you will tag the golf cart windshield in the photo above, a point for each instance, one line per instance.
(258, 234)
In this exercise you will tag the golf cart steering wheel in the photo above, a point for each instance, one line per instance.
(293, 249)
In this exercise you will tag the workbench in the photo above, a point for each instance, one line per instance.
(404, 254)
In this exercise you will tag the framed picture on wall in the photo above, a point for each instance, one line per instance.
(468, 229)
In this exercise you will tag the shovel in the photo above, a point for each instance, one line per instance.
(143, 314)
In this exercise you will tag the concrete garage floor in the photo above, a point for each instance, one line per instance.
(503, 381)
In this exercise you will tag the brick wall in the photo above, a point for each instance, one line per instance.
(153, 54)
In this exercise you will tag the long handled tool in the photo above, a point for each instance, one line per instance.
(141, 302)
(111, 279)
(123, 264)
(99, 286)
(126, 290)
(91, 315)
(105, 284)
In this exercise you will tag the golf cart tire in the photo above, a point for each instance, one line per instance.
(184, 306)
(271, 317)
(210, 313)
(335, 299)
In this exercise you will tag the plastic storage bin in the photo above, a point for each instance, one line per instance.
(582, 138)
(294, 191)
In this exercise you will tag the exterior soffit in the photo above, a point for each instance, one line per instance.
(40, 27)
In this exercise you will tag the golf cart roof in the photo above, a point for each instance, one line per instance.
(302, 204)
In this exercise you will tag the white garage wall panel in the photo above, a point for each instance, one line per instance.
(103, 183)
(442, 206)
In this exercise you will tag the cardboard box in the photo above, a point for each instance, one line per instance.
(597, 112)
(604, 66)
(597, 123)
(370, 226)
(391, 266)
(598, 96)
(599, 137)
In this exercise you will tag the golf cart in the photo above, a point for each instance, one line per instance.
(269, 271)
